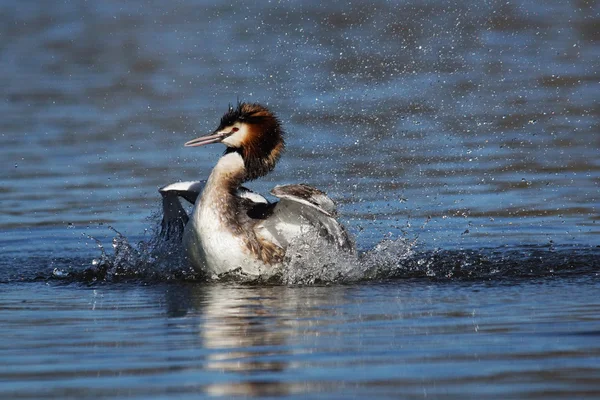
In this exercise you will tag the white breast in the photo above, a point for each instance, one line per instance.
(211, 245)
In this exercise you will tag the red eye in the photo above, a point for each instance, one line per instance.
(235, 129)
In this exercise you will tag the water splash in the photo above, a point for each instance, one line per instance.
(156, 259)
(308, 261)
(313, 261)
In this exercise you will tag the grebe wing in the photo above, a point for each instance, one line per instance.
(303, 206)
(306, 195)
(253, 197)
(174, 215)
(188, 190)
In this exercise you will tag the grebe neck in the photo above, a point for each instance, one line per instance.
(228, 175)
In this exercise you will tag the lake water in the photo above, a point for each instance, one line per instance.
(461, 141)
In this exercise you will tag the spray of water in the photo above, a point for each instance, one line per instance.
(313, 261)
(308, 261)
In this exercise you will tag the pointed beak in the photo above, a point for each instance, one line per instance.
(207, 139)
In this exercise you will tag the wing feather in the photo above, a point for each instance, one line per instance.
(174, 215)
(301, 209)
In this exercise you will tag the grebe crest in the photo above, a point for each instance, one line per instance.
(252, 131)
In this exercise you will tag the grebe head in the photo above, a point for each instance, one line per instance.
(252, 131)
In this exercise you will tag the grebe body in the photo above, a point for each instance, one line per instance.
(234, 229)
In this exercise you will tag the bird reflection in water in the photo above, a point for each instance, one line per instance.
(249, 333)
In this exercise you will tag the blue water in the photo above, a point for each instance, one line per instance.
(460, 140)
(409, 339)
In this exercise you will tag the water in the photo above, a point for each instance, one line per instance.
(460, 140)
(409, 339)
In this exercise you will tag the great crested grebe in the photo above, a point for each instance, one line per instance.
(232, 228)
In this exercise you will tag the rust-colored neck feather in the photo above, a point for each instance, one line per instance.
(263, 148)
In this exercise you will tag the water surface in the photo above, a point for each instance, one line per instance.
(460, 140)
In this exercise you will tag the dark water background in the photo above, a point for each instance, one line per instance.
(460, 139)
